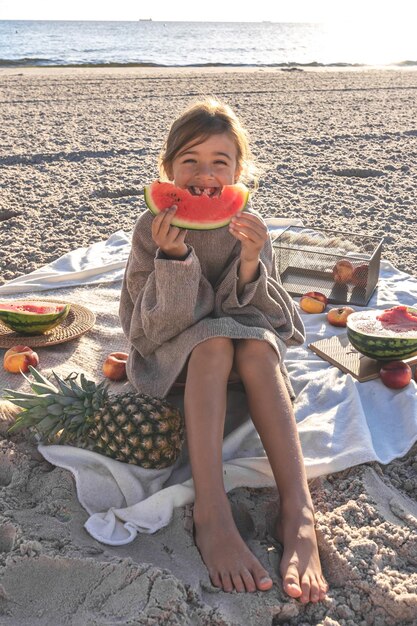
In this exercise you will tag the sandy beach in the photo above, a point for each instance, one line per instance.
(334, 148)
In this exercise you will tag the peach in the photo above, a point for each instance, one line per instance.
(114, 367)
(338, 316)
(313, 302)
(395, 374)
(343, 271)
(18, 358)
(360, 275)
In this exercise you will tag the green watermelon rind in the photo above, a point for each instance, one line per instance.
(32, 323)
(381, 348)
(192, 225)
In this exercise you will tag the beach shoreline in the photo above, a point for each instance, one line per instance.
(336, 148)
(144, 69)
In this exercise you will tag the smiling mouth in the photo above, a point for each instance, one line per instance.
(204, 191)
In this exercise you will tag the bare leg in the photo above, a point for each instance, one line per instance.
(230, 563)
(270, 406)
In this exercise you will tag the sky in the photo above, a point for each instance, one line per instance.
(370, 11)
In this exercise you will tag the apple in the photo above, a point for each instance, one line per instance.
(395, 374)
(338, 316)
(360, 275)
(114, 367)
(313, 302)
(343, 271)
(18, 358)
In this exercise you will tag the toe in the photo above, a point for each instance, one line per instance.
(305, 589)
(262, 579)
(238, 583)
(324, 588)
(314, 590)
(215, 579)
(264, 583)
(291, 582)
(227, 583)
(250, 584)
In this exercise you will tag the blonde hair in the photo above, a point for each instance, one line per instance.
(199, 122)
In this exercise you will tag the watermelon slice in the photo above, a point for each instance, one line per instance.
(28, 317)
(197, 212)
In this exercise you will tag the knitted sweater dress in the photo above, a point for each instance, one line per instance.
(167, 307)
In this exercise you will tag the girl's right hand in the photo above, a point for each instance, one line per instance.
(169, 239)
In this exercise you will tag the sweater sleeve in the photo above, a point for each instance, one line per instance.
(262, 302)
(160, 297)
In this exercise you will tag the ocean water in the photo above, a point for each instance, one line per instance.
(149, 43)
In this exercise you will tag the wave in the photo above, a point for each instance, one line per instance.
(44, 62)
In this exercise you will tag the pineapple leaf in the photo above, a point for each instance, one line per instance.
(46, 425)
(55, 410)
(64, 387)
(11, 394)
(40, 379)
(68, 401)
(88, 385)
(79, 392)
(25, 403)
(40, 388)
(20, 423)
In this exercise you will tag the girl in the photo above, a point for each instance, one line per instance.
(208, 305)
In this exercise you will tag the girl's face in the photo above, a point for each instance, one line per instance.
(206, 167)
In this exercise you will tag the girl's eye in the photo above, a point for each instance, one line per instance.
(189, 161)
(220, 163)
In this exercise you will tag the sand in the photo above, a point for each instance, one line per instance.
(336, 148)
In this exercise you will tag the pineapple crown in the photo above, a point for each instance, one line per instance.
(61, 413)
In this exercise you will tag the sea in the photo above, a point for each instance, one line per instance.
(150, 43)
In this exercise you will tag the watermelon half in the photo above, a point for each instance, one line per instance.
(29, 317)
(197, 212)
(388, 335)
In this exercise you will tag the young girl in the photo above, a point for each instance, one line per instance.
(208, 305)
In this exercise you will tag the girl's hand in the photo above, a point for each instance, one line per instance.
(252, 233)
(169, 239)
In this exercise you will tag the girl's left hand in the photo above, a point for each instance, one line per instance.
(252, 233)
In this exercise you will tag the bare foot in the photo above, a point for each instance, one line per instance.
(230, 563)
(300, 563)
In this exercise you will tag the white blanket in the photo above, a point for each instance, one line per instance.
(341, 422)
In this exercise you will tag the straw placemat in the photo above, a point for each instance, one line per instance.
(78, 321)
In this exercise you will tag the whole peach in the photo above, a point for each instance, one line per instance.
(395, 374)
(360, 275)
(343, 271)
(114, 367)
(313, 302)
(338, 316)
(18, 358)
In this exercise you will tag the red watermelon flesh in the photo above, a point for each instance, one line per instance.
(41, 308)
(202, 212)
(399, 316)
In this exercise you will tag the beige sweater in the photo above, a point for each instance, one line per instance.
(167, 307)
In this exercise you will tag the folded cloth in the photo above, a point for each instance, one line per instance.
(102, 262)
(341, 422)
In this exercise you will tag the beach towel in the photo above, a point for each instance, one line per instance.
(341, 422)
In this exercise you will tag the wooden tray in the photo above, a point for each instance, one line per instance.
(338, 351)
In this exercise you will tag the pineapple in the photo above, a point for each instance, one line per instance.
(130, 427)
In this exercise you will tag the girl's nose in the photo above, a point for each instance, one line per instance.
(204, 170)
